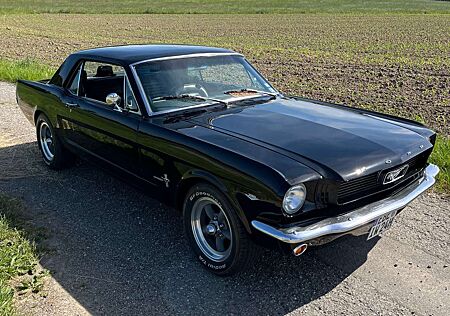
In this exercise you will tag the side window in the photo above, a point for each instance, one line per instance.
(75, 84)
(130, 101)
(57, 79)
(96, 69)
(99, 80)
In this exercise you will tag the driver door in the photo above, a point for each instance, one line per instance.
(96, 128)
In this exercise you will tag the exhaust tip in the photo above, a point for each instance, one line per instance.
(300, 249)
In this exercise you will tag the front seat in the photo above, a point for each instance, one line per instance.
(104, 71)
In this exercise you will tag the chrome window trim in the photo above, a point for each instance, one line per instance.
(150, 112)
(256, 70)
(96, 101)
(185, 56)
(141, 91)
(125, 78)
(125, 81)
(105, 105)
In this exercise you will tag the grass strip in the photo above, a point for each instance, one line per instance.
(441, 157)
(226, 6)
(24, 69)
(18, 255)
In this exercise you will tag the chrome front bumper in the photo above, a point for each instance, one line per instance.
(354, 220)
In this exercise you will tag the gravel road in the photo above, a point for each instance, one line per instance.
(116, 251)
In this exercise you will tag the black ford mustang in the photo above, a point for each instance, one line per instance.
(202, 130)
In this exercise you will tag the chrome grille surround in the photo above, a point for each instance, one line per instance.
(373, 183)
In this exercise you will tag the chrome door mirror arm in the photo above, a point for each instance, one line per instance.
(114, 99)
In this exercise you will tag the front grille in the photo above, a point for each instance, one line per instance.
(356, 186)
(373, 183)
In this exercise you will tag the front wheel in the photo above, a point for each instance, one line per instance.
(214, 231)
(53, 152)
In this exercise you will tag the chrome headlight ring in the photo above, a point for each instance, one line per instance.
(294, 199)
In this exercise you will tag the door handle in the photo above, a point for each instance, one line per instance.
(71, 105)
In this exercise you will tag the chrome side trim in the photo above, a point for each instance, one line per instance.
(355, 219)
(185, 56)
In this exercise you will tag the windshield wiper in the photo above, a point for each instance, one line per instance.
(191, 97)
(272, 94)
(177, 116)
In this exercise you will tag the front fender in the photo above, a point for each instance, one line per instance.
(225, 186)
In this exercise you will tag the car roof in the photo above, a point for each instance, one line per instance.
(130, 54)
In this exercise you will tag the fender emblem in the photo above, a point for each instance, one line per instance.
(163, 179)
(251, 196)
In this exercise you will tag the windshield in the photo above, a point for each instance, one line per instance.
(166, 83)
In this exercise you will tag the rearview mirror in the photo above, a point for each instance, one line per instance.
(114, 100)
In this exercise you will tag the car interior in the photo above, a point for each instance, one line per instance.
(101, 84)
(97, 85)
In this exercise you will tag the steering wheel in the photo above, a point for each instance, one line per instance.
(194, 89)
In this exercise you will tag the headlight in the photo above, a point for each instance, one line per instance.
(294, 199)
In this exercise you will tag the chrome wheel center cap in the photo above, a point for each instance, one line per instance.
(211, 229)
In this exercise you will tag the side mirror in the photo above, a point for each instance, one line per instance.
(114, 99)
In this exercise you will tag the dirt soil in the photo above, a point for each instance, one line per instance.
(114, 251)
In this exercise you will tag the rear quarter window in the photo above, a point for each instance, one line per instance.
(57, 79)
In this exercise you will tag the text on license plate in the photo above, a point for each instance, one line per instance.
(382, 224)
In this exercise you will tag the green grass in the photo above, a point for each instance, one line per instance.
(18, 255)
(25, 69)
(441, 157)
(225, 6)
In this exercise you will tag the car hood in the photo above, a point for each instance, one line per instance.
(349, 143)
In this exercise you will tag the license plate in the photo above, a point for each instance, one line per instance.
(382, 224)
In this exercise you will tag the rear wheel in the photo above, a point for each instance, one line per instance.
(214, 231)
(53, 152)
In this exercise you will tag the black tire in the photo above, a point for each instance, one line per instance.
(239, 248)
(53, 152)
